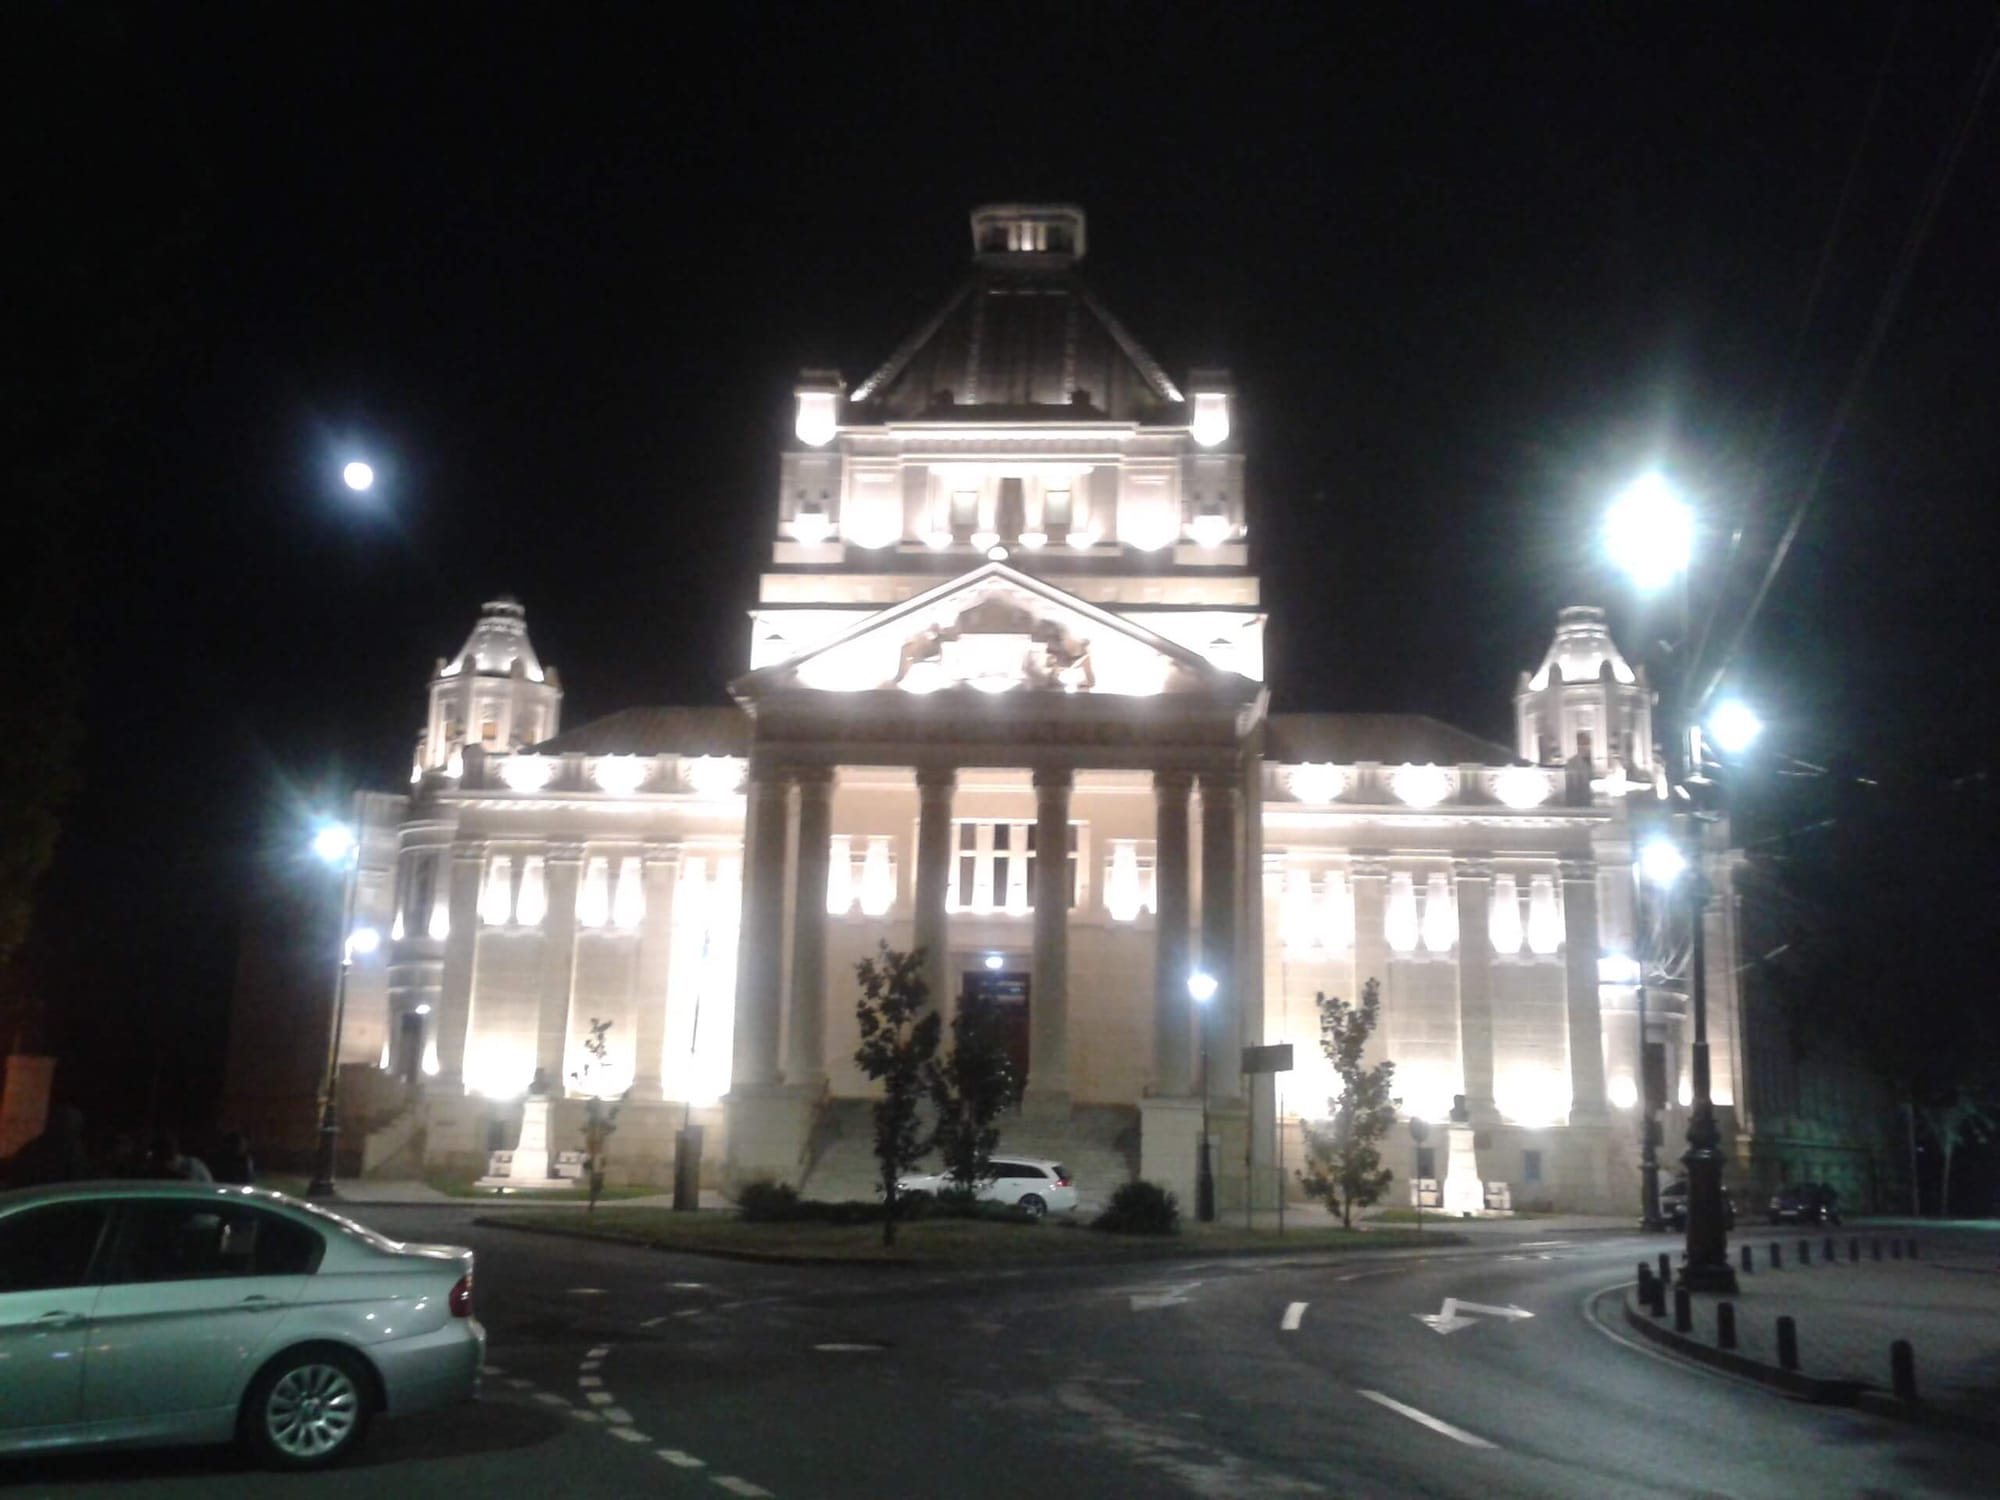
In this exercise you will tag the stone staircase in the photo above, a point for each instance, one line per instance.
(1099, 1143)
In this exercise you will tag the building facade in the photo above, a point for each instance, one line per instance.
(1003, 699)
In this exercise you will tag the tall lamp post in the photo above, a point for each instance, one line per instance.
(1201, 989)
(1649, 532)
(337, 845)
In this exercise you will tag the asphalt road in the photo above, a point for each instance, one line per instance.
(619, 1372)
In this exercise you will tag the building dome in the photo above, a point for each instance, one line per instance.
(1585, 700)
(497, 642)
(494, 694)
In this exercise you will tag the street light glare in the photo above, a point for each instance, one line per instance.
(364, 940)
(333, 843)
(1662, 862)
(1735, 727)
(359, 476)
(1649, 532)
(1201, 986)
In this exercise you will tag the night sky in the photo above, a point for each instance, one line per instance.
(553, 269)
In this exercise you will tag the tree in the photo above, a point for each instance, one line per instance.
(1343, 1160)
(1964, 1117)
(970, 1087)
(600, 1116)
(899, 1038)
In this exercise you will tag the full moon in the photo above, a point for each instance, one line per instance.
(358, 476)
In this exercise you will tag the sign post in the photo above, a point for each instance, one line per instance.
(1273, 1059)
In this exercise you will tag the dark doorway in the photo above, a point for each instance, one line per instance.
(410, 1046)
(1006, 992)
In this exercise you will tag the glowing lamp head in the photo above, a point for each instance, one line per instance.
(358, 477)
(1624, 1092)
(1211, 418)
(1649, 532)
(1734, 727)
(1201, 987)
(1661, 862)
(333, 843)
(816, 422)
(363, 940)
(423, 1010)
(994, 960)
(1209, 531)
(811, 527)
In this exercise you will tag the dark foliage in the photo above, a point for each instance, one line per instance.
(1140, 1208)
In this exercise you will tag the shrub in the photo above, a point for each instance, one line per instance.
(1141, 1208)
(767, 1202)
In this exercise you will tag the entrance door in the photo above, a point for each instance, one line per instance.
(1005, 993)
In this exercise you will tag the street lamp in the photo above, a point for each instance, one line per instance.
(1201, 989)
(1649, 533)
(336, 844)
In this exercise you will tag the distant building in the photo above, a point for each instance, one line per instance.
(1003, 698)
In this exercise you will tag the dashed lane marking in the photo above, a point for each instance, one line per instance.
(617, 1416)
(599, 1352)
(679, 1459)
(737, 1486)
(690, 1312)
(599, 1398)
(654, 1322)
(591, 1364)
(519, 1384)
(1292, 1316)
(584, 1416)
(1425, 1419)
(588, 1291)
(630, 1434)
(589, 1381)
(550, 1398)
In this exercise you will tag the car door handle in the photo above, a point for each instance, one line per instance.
(257, 1302)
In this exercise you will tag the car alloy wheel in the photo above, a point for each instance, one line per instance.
(309, 1410)
(1032, 1206)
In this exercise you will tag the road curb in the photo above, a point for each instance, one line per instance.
(1862, 1397)
(906, 1263)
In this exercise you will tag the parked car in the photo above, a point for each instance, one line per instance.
(141, 1313)
(1038, 1187)
(1674, 1205)
(1805, 1203)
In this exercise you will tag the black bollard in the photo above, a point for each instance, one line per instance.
(1913, 1247)
(1645, 1281)
(1903, 1370)
(1683, 1310)
(1749, 1259)
(1854, 1250)
(1777, 1256)
(1788, 1344)
(1830, 1251)
(1725, 1325)
(1895, 1249)
(1666, 1270)
(1875, 1249)
(1805, 1252)
(1659, 1307)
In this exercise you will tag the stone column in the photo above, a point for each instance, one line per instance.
(805, 1035)
(656, 946)
(468, 869)
(1586, 1027)
(1475, 988)
(1223, 1028)
(1370, 879)
(754, 1056)
(932, 932)
(562, 865)
(1048, 997)
(1173, 1028)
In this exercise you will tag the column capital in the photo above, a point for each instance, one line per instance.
(1219, 783)
(1473, 867)
(470, 850)
(1172, 783)
(936, 780)
(1577, 871)
(814, 779)
(1368, 867)
(1054, 778)
(568, 852)
(764, 773)
(660, 852)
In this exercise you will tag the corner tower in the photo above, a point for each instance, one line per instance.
(1021, 423)
(495, 693)
(1586, 700)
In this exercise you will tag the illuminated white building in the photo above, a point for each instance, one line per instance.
(1010, 609)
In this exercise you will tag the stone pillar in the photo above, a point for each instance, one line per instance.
(468, 869)
(754, 1059)
(1586, 1027)
(1475, 988)
(932, 932)
(1173, 1025)
(1048, 996)
(656, 948)
(1223, 1027)
(562, 864)
(1370, 879)
(805, 1034)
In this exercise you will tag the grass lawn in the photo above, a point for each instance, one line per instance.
(949, 1241)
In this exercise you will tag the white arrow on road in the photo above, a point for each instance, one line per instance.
(1447, 1318)
(1162, 1296)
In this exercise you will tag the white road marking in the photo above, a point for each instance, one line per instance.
(737, 1486)
(588, 1381)
(1148, 1298)
(599, 1352)
(1292, 1316)
(617, 1416)
(654, 1322)
(1545, 1244)
(588, 1291)
(690, 1312)
(679, 1459)
(550, 1398)
(630, 1434)
(1447, 1318)
(599, 1398)
(687, 1286)
(519, 1384)
(591, 1364)
(1425, 1419)
(584, 1416)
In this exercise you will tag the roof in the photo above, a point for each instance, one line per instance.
(657, 731)
(1391, 739)
(497, 642)
(1018, 341)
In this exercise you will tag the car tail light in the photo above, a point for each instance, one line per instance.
(461, 1297)
(1063, 1181)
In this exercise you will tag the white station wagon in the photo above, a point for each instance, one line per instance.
(1029, 1183)
(136, 1313)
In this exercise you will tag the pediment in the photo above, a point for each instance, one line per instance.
(995, 631)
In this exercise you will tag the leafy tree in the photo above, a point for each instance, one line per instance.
(969, 1088)
(1963, 1118)
(1343, 1158)
(600, 1116)
(899, 1040)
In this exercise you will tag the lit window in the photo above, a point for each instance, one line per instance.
(992, 867)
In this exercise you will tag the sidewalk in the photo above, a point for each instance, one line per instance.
(1847, 1313)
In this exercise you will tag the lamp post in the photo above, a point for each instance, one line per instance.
(337, 845)
(1649, 532)
(1201, 989)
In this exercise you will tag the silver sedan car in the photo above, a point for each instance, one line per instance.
(136, 1313)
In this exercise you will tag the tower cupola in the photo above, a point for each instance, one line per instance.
(1586, 700)
(495, 693)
